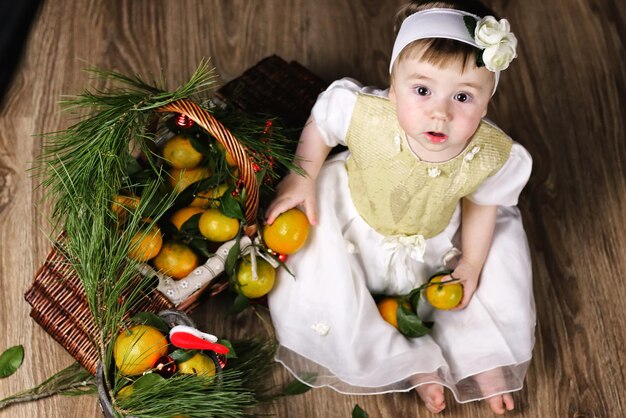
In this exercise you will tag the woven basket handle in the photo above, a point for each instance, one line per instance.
(234, 148)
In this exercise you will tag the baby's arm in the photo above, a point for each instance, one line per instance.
(477, 225)
(296, 189)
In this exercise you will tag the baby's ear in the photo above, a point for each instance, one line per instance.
(392, 94)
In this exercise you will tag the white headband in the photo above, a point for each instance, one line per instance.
(493, 37)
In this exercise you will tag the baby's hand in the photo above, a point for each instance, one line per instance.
(294, 190)
(468, 275)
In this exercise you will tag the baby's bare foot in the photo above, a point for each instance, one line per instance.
(432, 395)
(501, 403)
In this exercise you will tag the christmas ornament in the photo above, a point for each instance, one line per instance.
(165, 366)
(184, 122)
(183, 336)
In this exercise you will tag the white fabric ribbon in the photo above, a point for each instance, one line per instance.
(401, 247)
(399, 250)
(248, 248)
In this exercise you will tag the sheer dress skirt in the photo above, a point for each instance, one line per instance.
(331, 333)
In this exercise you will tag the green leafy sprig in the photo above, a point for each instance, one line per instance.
(409, 322)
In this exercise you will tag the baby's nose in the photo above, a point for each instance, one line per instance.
(440, 111)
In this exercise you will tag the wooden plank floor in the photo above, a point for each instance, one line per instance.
(560, 99)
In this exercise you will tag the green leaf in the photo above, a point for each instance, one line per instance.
(231, 259)
(410, 324)
(300, 385)
(231, 350)
(132, 166)
(470, 24)
(148, 318)
(186, 196)
(202, 144)
(168, 229)
(357, 412)
(479, 59)
(181, 355)
(231, 207)
(147, 381)
(241, 302)
(191, 225)
(414, 297)
(11, 360)
(202, 247)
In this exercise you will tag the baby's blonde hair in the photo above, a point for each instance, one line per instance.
(439, 51)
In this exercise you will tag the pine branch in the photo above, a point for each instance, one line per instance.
(85, 166)
(71, 381)
(94, 151)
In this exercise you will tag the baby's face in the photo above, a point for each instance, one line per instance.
(439, 108)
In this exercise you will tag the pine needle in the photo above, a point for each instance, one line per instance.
(71, 381)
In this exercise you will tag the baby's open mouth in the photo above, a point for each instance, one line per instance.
(436, 137)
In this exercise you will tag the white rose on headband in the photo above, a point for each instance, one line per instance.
(490, 32)
(498, 57)
(498, 40)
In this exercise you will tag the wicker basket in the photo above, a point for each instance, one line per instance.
(272, 86)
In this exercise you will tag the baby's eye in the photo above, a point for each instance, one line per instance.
(422, 91)
(462, 97)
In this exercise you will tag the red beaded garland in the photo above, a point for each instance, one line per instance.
(282, 257)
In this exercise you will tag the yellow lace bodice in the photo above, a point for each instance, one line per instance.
(398, 194)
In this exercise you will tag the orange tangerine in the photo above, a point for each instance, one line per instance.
(444, 296)
(182, 215)
(180, 179)
(199, 364)
(146, 244)
(176, 260)
(388, 308)
(251, 287)
(209, 199)
(122, 205)
(137, 348)
(217, 227)
(179, 152)
(125, 392)
(288, 233)
(230, 160)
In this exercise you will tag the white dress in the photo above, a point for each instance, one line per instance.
(327, 323)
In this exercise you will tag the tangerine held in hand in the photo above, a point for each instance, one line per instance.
(249, 286)
(288, 233)
(137, 348)
(444, 296)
